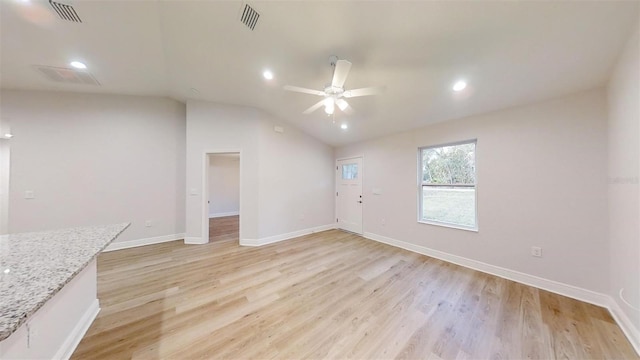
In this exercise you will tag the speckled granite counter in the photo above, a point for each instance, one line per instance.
(35, 266)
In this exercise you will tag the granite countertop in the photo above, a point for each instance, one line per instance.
(35, 266)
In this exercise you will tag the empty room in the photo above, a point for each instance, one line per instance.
(319, 179)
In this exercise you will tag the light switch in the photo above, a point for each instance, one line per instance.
(29, 194)
(193, 192)
(376, 191)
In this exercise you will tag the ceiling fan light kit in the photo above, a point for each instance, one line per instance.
(334, 94)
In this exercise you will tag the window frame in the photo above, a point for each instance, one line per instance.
(421, 184)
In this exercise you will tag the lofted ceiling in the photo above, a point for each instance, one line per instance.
(510, 53)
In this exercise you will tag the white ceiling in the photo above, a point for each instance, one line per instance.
(510, 53)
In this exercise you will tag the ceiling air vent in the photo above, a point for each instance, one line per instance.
(249, 16)
(68, 76)
(66, 12)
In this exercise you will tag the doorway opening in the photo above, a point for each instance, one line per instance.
(222, 189)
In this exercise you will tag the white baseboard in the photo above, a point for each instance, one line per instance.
(282, 237)
(194, 240)
(535, 281)
(71, 342)
(571, 291)
(627, 326)
(217, 215)
(141, 242)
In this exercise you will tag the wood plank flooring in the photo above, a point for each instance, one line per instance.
(329, 295)
(224, 228)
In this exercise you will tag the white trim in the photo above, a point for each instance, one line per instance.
(450, 226)
(632, 333)
(571, 291)
(217, 215)
(195, 240)
(349, 157)
(287, 236)
(592, 297)
(142, 242)
(71, 342)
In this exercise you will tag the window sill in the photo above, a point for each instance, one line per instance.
(451, 226)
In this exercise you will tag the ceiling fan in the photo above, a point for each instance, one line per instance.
(334, 94)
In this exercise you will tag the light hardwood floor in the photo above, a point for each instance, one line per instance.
(329, 295)
(224, 228)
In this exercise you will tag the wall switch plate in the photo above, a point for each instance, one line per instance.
(193, 191)
(376, 191)
(536, 251)
(29, 194)
(148, 223)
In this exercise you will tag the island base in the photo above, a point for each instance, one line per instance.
(56, 329)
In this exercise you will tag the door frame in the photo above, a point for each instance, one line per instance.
(205, 190)
(335, 188)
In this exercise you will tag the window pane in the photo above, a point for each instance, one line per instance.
(455, 164)
(456, 206)
(349, 171)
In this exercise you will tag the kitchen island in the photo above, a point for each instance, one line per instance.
(48, 289)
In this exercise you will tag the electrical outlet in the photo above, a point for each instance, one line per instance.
(383, 222)
(536, 251)
(148, 223)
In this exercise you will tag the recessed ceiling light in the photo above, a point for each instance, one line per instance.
(78, 65)
(8, 136)
(459, 86)
(344, 126)
(267, 74)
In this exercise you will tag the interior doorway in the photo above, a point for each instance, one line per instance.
(349, 194)
(223, 196)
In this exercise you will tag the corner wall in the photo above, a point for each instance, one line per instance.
(96, 159)
(283, 174)
(624, 193)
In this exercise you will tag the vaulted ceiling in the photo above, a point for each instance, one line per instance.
(510, 53)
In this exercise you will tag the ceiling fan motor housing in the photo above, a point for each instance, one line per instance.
(333, 91)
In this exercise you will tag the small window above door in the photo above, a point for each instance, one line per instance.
(349, 171)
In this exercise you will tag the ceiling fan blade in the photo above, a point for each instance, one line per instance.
(344, 106)
(314, 107)
(340, 73)
(304, 90)
(362, 92)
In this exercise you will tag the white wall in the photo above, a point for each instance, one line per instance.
(624, 165)
(282, 174)
(5, 153)
(96, 159)
(224, 185)
(296, 181)
(541, 173)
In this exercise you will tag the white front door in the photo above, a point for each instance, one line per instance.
(349, 194)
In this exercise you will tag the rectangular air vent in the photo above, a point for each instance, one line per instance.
(68, 76)
(66, 12)
(249, 16)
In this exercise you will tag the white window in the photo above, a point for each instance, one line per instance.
(349, 171)
(447, 187)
